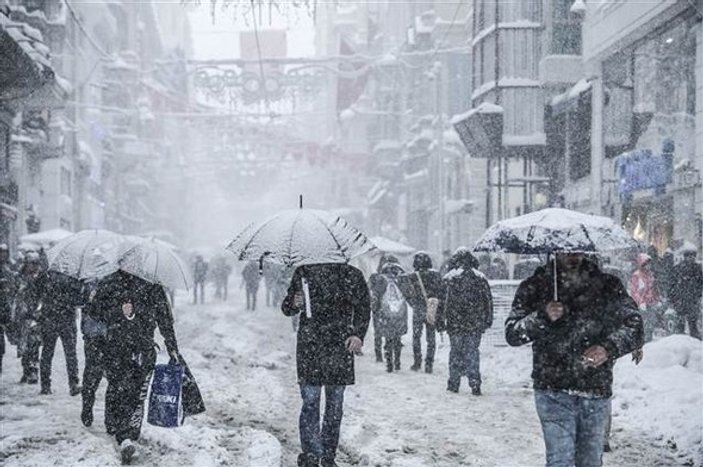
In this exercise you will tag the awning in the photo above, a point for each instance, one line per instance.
(568, 101)
(481, 130)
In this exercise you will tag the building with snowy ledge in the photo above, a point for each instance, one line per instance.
(642, 104)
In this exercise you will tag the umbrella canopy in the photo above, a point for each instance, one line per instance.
(390, 246)
(301, 236)
(89, 254)
(46, 237)
(154, 261)
(555, 230)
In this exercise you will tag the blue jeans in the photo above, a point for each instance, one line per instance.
(464, 359)
(573, 428)
(321, 441)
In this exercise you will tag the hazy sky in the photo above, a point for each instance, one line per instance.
(220, 39)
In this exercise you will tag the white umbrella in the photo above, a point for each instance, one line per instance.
(46, 237)
(387, 245)
(89, 254)
(154, 261)
(301, 236)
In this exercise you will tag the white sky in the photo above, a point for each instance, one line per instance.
(220, 40)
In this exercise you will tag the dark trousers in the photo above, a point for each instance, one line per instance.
(94, 348)
(377, 339)
(392, 350)
(318, 440)
(30, 355)
(200, 285)
(66, 330)
(2, 345)
(417, 345)
(251, 297)
(464, 359)
(688, 315)
(128, 376)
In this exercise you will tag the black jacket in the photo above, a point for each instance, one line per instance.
(340, 308)
(468, 305)
(599, 311)
(61, 296)
(151, 310)
(410, 286)
(686, 285)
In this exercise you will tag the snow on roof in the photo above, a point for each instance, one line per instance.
(484, 108)
(575, 91)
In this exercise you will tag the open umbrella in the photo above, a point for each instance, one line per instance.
(88, 254)
(154, 261)
(555, 230)
(301, 236)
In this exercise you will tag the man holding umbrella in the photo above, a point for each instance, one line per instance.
(576, 340)
(334, 304)
(578, 319)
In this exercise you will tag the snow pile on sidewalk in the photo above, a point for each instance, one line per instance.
(664, 395)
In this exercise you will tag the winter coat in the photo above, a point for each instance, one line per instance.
(686, 286)
(598, 311)
(410, 286)
(340, 307)
(643, 287)
(8, 289)
(199, 271)
(61, 296)
(468, 306)
(390, 312)
(251, 275)
(27, 310)
(151, 310)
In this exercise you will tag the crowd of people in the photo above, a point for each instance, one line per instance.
(119, 314)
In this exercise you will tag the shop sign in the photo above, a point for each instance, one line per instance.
(641, 170)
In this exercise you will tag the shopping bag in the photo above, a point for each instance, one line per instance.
(166, 396)
(192, 399)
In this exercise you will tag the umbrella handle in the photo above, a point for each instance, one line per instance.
(556, 297)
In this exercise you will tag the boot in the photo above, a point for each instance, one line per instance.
(389, 359)
(308, 460)
(75, 389)
(45, 391)
(87, 414)
(397, 360)
(417, 365)
(476, 390)
(328, 462)
(32, 377)
(428, 367)
(127, 450)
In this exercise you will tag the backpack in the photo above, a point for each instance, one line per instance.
(393, 303)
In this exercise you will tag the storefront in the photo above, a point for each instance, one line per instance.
(649, 132)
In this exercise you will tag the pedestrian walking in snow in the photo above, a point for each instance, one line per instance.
(334, 307)
(644, 291)
(377, 282)
(272, 272)
(61, 297)
(424, 292)
(200, 268)
(132, 309)
(7, 293)
(27, 316)
(94, 330)
(576, 340)
(251, 280)
(390, 311)
(685, 292)
(468, 313)
(220, 274)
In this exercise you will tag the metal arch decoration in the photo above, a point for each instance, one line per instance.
(299, 82)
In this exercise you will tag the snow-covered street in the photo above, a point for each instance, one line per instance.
(245, 365)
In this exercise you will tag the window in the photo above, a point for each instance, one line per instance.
(579, 138)
(65, 181)
(566, 29)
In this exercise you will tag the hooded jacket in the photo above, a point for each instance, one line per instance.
(468, 304)
(598, 311)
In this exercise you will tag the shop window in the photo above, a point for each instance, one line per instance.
(579, 138)
(566, 29)
(617, 105)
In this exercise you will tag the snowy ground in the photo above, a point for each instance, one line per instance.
(245, 365)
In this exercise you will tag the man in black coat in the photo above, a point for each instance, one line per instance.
(132, 309)
(424, 284)
(7, 294)
(31, 282)
(334, 306)
(468, 313)
(575, 343)
(62, 295)
(686, 286)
